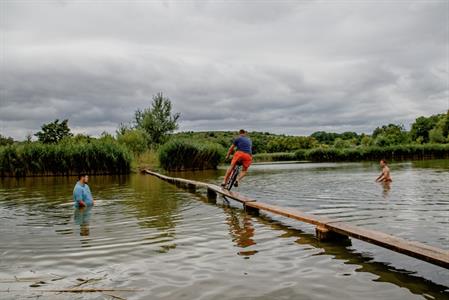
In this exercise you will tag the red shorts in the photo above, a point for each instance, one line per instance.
(244, 157)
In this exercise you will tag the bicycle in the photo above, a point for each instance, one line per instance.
(233, 176)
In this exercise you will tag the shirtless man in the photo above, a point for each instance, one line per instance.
(385, 175)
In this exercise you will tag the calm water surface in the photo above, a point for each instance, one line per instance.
(170, 243)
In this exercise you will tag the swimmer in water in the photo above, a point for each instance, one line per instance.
(385, 175)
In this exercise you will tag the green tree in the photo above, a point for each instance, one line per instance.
(445, 125)
(390, 134)
(329, 138)
(135, 140)
(366, 140)
(341, 143)
(158, 120)
(6, 140)
(324, 137)
(53, 132)
(441, 128)
(349, 135)
(436, 136)
(422, 126)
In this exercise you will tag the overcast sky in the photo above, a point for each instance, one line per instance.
(291, 67)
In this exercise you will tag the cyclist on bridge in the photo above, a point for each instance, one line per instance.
(243, 155)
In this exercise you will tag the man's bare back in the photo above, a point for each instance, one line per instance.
(386, 174)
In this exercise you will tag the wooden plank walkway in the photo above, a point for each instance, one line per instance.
(325, 228)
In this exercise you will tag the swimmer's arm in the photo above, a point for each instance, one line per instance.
(380, 177)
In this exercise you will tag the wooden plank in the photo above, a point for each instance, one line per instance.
(291, 213)
(180, 180)
(414, 249)
(233, 195)
(229, 194)
(422, 251)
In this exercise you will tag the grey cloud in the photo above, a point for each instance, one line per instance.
(284, 67)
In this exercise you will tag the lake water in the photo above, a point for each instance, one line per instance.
(168, 243)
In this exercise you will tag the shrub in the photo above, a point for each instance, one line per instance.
(136, 140)
(187, 155)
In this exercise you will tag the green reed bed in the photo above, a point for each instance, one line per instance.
(398, 152)
(188, 155)
(68, 158)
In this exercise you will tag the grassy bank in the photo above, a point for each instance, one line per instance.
(187, 155)
(399, 152)
(146, 160)
(68, 158)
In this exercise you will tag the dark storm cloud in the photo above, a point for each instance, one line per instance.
(286, 67)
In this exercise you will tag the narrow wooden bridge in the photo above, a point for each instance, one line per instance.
(326, 229)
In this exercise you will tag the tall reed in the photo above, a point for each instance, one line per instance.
(188, 155)
(67, 158)
(398, 152)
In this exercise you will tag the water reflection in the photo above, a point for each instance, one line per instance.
(385, 272)
(82, 218)
(386, 187)
(157, 204)
(240, 228)
(138, 217)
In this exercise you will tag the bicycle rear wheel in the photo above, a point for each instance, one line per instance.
(233, 177)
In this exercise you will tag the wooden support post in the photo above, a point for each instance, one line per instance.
(191, 187)
(324, 234)
(211, 195)
(251, 210)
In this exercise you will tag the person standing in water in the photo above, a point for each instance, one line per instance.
(82, 196)
(385, 175)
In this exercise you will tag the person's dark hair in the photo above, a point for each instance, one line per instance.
(384, 160)
(242, 131)
(81, 175)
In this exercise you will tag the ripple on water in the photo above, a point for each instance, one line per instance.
(148, 234)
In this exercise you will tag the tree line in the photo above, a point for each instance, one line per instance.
(433, 129)
(152, 131)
